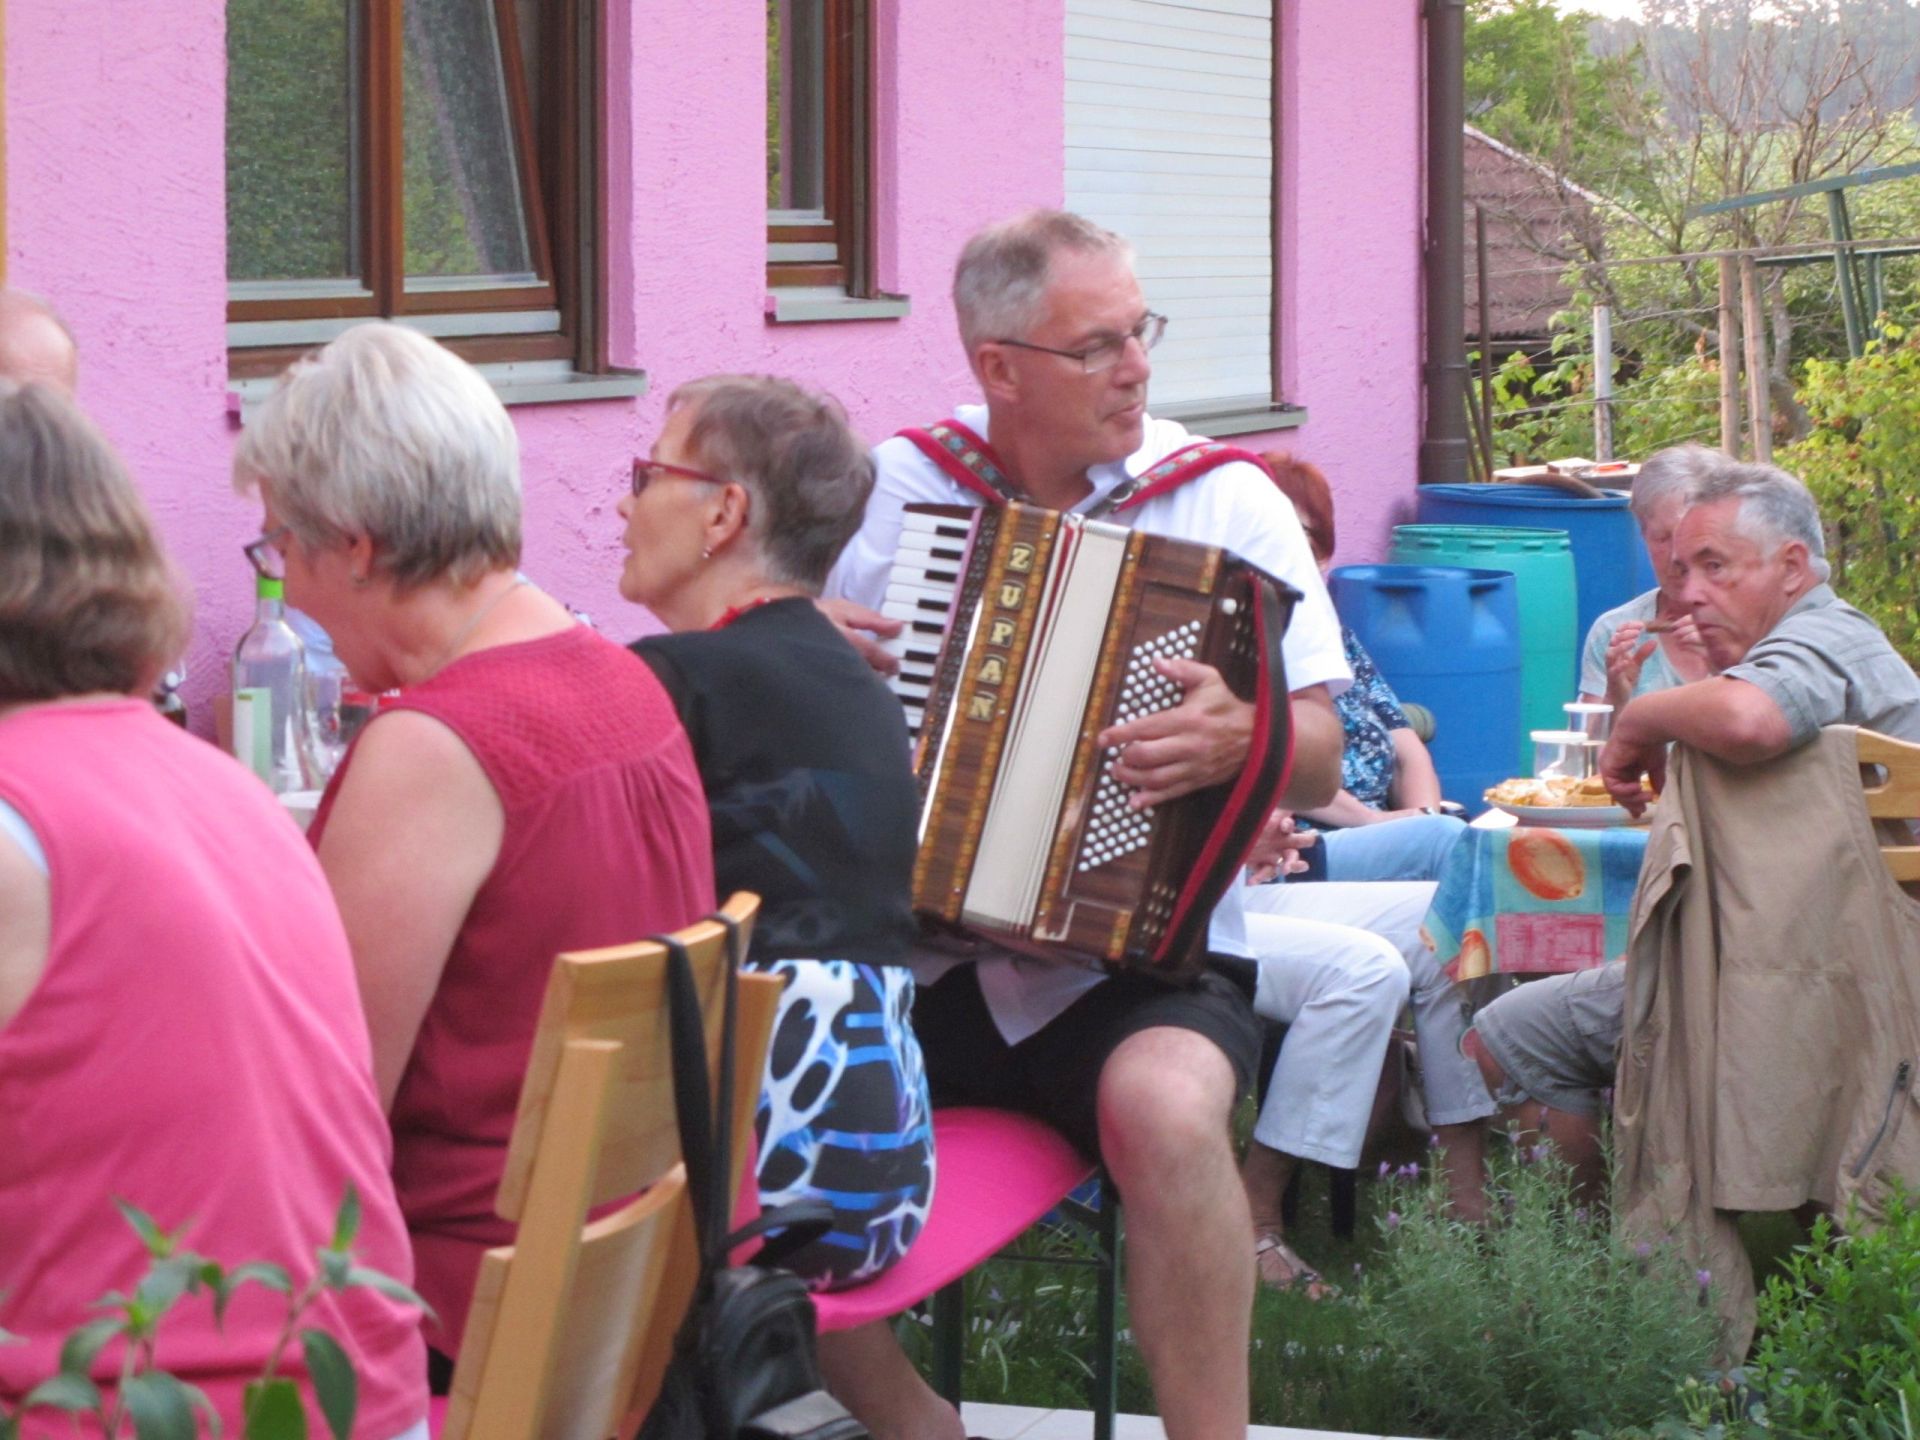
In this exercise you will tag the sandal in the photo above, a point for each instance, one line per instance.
(1280, 1268)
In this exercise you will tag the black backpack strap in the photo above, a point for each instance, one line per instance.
(704, 1144)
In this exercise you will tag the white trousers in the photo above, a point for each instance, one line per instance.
(1337, 963)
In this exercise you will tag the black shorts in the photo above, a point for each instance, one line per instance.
(1054, 1074)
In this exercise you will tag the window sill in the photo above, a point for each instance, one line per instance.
(811, 304)
(1217, 418)
(535, 382)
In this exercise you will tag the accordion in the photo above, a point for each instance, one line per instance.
(1026, 633)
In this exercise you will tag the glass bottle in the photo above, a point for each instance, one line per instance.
(270, 692)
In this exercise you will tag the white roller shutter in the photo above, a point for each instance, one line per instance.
(1170, 142)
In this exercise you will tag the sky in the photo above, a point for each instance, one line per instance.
(1608, 9)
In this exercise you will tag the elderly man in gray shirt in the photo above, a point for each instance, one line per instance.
(1790, 657)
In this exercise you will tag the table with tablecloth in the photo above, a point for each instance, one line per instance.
(1533, 900)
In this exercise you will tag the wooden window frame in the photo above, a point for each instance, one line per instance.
(557, 153)
(848, 165)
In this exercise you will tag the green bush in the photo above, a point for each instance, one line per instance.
(1542, 1324)
(1860, 461)
(1839, 1347)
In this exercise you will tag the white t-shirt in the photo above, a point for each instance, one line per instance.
(1236, 506)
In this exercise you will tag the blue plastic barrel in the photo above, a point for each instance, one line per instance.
(1544, 589)
(1609, 561)
(1449, 638)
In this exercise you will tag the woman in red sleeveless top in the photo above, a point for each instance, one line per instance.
(179, 1026)
(531, 792)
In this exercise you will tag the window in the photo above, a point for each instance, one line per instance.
(416, 159)
(817, 145)
(1170, 141)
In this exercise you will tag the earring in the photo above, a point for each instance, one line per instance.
(707, 553)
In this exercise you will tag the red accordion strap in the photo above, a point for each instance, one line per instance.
(967, 460)
(1189, 462)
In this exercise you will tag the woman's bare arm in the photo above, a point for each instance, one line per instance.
(26, 904)
(412, 835)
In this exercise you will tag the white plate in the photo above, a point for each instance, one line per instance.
(1570, 817)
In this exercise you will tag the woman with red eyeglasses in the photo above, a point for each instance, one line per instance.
(530, 792)
(749, 495)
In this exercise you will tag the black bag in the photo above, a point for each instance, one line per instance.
(744, 1364)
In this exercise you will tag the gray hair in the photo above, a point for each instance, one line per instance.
(1002, 274)
(1667, 475)
(808, 473)
(387, 434)
(1775, 508)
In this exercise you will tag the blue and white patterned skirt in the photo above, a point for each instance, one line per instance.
(844, 1115)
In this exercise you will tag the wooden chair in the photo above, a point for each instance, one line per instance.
(571, 1326)
(1896, 797)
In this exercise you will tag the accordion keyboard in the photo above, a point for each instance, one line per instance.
(921, 592)
(1114, 828)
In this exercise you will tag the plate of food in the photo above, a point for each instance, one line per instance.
(1561, 801)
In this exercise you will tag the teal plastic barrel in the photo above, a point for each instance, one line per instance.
(1541, 563)
(1610, 564)
(1448, 639)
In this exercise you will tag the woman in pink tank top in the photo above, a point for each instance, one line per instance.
(179, 1026)
(531, 792)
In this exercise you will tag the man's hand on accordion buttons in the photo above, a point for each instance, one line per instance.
(864, 629)
(1199, 742)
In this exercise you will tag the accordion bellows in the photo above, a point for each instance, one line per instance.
(1028, 632)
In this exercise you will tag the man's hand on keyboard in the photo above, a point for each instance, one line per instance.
(864, 629)
(1199, 742)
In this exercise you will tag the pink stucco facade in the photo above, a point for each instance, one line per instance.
(116, 174)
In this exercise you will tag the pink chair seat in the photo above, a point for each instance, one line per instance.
(997, 1173)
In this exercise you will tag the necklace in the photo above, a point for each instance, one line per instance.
(465, 632)
(734, 612)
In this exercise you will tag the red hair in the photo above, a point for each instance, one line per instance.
(1312, 498)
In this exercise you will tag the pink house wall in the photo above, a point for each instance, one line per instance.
(116, 175)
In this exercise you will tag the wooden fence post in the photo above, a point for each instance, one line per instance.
(1729, 361)
(1759, 404)
(1602, 383)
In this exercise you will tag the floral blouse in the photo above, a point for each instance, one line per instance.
(1369, 713)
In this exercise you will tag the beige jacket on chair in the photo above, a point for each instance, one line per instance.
(1772, 1013)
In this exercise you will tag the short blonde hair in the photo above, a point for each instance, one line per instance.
(88, 601)
(387, 434)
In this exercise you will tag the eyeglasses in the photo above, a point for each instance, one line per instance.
(266, 555)
(645, 472)
(1106, 354)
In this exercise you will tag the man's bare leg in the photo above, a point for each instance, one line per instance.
(1164, 1104)
(867, 1371)
(1575, 1137)
(1463, 1157)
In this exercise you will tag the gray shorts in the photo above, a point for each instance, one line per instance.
(1558, 1039)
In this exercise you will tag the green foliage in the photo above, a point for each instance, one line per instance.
(1030, 1334)
(1544, 414)
(1534, 82)
(1538, 1325)
(1839, 1347)
(157, 1405)
(1860, 460)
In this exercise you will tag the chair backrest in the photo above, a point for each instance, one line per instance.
(570, 1326)
(1897, 797)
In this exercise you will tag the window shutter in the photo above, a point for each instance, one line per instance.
(1170, 142)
